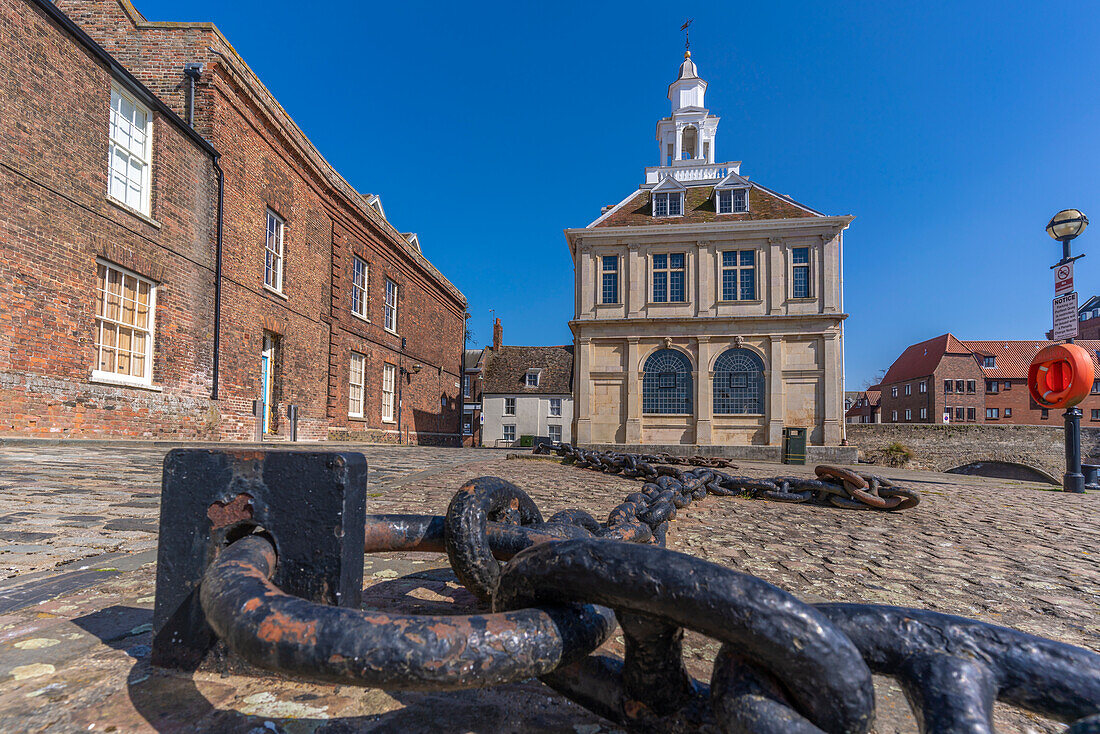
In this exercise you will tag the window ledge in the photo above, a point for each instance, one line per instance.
(358, 418)
(135, 212)
(391, 421)
(807, 299)
(360, 317)
(668, 415)
(106, 378)
(274, 292)
(390, 331)
(609, 305)
(756, 301)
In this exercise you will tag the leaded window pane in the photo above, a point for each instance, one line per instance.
(674, 205)
(725, 202)
(660, 287)
(738, 383)
(610, 290)
(660, 205)
(666, 383)
(676, 286)
(739, 201)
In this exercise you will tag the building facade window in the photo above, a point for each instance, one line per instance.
(124, 307)
(960, 414)
(667, 383)
(465, 386)
(924, 414)
(732, 201)
(991, 386)
(1008, 385)
(989, 362)
(509, 432)
(273, 252)
(960, 386)
(1044, 414)
(1095, 415)
(738, 383)
(531, 379)
(991, 413)
(668, 204)
(800, 272)
(129, 175)
(971, 414)
(390, 320)
(894, 416)
(948, 386)
(908, 388)
(555, 407)
(894, 392)
(389, 385)
(908, 414)
(972, 386)
(739, 275)
(609, 279)
(357, 380)
(669, 274)
(1008, 412)
(553, 432)
(509, 406)
(359, 286)
(923, 386)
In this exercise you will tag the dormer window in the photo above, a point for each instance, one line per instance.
(733, 201)
(989, 362)
(670, 204)
(532, 378)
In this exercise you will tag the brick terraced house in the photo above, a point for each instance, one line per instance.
(708, 307)
(114, 235)
(945, 380)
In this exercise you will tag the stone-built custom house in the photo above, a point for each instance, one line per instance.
(709, 308)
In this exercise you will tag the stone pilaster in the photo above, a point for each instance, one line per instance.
(704, 402)
(633, 387)
(582, 430)
(776, 397)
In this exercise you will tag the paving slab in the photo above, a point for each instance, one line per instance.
(1001, 551)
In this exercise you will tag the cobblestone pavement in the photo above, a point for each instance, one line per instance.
(1001, 551)
(60, 504)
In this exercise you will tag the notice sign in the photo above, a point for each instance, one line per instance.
(1065, 316)
(1063, 278)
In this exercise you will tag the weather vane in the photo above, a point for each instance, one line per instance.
(687, 34)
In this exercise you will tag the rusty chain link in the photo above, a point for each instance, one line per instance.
(784, 665)
(834, 485)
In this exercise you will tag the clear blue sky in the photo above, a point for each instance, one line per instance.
(952, 131)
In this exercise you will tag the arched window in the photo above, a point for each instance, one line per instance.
(738, 383)
(689, 143)
(666, 383)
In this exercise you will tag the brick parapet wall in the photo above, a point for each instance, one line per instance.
(940, 448)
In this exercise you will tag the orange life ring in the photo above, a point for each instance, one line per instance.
(1060, 376)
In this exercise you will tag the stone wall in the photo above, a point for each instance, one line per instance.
(940, 448)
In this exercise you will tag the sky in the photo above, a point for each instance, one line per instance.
(952, 131)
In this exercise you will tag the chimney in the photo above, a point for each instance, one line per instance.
(498, 336)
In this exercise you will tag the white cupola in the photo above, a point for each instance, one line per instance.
(688, 133)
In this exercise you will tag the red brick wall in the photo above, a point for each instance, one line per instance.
(1026, 412)
(56, 220)
(267, 163)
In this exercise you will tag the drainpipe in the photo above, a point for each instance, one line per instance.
(218, 277)
(193, 71)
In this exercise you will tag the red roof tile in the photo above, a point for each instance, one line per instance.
(1012, 358)
(920, 359)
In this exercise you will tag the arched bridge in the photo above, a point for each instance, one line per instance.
(1028, 453)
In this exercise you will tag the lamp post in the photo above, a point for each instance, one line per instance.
(1064, 227)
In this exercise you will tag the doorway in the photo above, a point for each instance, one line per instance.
(267, 380)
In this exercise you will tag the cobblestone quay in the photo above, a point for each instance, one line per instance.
(74, 654)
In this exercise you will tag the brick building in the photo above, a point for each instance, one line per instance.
(321, 304)
(864, 406)
(972, 382)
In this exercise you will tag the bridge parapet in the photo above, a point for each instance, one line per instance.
(942, 448)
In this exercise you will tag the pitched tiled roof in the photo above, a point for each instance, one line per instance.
(1012, 358)
(699, 207)
(507, 369)
(873, 399)
(920, 359)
